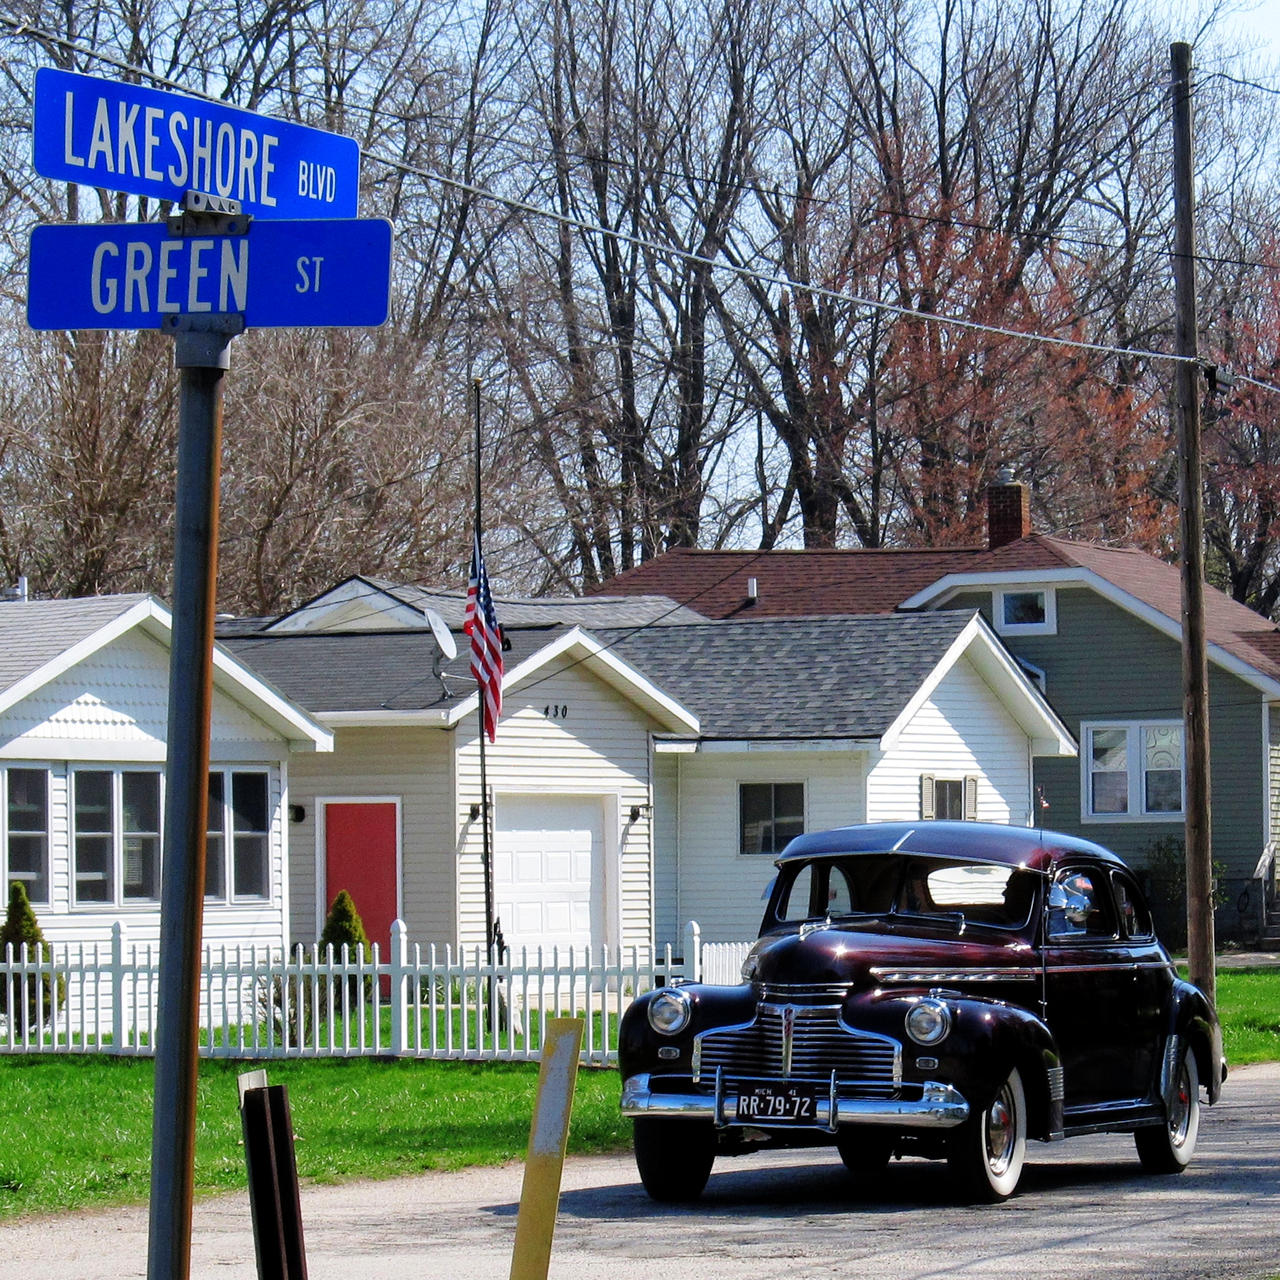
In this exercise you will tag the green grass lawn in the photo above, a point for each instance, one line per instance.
(1249, 1006)
(76, 1131)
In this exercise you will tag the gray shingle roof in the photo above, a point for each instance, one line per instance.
(782, 678)
(794, 678)
(34, 632)
(370, 670)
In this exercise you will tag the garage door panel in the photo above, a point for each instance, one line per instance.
(548, 850)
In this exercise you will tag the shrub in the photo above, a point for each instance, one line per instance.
(343, 925)
(21, 926)
(1165, 861)
(295, 1005)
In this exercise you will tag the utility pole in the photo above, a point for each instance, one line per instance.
(1195, 665)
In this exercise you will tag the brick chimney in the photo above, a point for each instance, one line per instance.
(1008, 511)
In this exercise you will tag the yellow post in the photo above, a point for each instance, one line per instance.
(540, 1194)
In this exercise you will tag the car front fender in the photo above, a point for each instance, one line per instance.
(1193, 1021)
(988, 1037)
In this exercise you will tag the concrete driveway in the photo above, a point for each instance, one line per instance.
(1086, 1209)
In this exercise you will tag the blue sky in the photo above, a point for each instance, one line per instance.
(1261, 21)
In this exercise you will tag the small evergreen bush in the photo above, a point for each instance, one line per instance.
(343, 925)
(295, 1006)
(29, 999)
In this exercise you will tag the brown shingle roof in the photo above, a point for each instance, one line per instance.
(1230, 625)
(791, 583)
(822, 582)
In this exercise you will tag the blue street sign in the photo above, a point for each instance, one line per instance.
(131, 275)
(125, 137)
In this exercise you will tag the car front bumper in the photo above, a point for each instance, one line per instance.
(931, 1105)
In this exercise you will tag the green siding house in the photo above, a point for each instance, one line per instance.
(1099, 631)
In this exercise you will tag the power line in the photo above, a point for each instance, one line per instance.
(645, 244)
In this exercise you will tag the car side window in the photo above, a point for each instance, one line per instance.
(839, 893)
(1078, 906)
(799, 896)
(1135, 919)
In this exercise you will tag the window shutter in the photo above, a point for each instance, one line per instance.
(971, 797)
(927, 796)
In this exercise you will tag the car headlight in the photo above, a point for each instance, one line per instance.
(928, 1021)
(669, 1012)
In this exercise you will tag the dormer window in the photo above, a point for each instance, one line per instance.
(1025, 611)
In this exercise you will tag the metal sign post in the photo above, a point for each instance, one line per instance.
(202, 356)
(204, 275)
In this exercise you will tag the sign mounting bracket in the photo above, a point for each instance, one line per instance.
(200, 214)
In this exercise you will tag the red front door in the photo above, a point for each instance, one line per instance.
(360, 841)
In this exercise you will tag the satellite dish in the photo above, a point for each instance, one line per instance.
(444, 638)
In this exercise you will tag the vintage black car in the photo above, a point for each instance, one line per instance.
(940, 989)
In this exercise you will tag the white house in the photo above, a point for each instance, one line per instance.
(648, 761)
(83, 697)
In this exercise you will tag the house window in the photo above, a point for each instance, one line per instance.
(26, 831)
(1025, 611)
(949, 798)
(115, 836)
(238, 843)
(770, 815)
(1133, 771)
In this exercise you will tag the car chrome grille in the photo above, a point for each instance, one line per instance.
(801, 1042)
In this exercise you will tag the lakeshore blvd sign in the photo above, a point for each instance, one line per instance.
(122, 275)
(152, 142)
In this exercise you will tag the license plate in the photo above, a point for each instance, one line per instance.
(777, 1102)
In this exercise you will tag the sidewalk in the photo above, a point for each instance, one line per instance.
(1244, 959)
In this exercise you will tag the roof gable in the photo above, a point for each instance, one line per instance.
(42, 640)
(842, 678)
(822, 582)
(1240, 640)
(373, 604)
(401, 677)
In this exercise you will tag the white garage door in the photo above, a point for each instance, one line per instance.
(547, 856)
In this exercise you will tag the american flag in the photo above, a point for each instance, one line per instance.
(481, 624)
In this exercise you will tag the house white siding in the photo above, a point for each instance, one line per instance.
(667, 924)
(113, 706)
(962, 730)
(110, 710)
(568, 733)
(721, 887)
(412, 765)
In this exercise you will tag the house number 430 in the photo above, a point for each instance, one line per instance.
(556, 711)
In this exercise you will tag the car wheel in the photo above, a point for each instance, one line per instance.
(1168, 1148)
(986, 1153)
(865, 1152)
(674, 1157)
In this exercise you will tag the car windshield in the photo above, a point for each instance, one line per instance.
(905, 885)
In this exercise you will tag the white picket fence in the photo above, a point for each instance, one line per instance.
(433, 1002)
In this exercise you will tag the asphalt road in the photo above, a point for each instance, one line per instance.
(1085, 1210)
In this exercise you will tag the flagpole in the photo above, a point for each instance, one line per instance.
(487, 846)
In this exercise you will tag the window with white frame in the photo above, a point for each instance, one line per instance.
(770, 815)
(115, 841)
(26, 830)
(1133, 771)
(1025, 611)
(237, 853)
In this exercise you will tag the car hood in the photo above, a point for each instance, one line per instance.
(847, 955)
